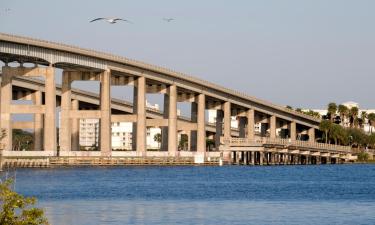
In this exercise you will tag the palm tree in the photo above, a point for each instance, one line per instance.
(157, 138)
(353, 116)
(343, 111)
(363, 118)
(371, 120)
(332, 109)
(325, 126)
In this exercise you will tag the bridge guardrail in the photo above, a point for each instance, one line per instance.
(286, 143)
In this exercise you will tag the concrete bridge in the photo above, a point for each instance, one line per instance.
(26, 58)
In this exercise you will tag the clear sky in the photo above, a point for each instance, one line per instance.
(291, 52)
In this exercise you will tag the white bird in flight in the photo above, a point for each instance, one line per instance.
(110, 20)
(168, 19)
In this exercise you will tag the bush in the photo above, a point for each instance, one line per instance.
(17, 209)
(363, 156)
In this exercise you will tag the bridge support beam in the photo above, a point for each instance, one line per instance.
(293, 131)
(219, 127)
(75, 127)
(201, 127)
(6, 99)
(273, 127)
(38, 123)
(242, 126)
(227, 119)
(105, 113)
(311, 133)
(250, 123)
(50, 111)
(172, 120)
(65, 125)
(139, 128)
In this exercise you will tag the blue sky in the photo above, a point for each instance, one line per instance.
(299, 53)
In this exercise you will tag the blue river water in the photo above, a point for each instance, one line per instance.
(323, 194)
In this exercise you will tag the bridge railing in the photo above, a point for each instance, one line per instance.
(285, 142)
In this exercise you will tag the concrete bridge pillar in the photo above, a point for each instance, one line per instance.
(261, 158)
(273, 127)
(250, 123)
(50, 111)
(6, 100)
(241, 126)
(219, 127)
(311, 133)
(227, 119)
(105, 111)
(164, 129)
(139, 128)
(201, 126)
(75, 125)
(293, 130)
(252, 158)
(172, 120)
(38, 122)
(65, 125)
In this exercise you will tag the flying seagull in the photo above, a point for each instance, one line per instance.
(168, 19)
(110, 20)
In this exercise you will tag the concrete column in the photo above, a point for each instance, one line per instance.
(227, 119)
(293, 131)
(241, 127)
(172, 120)
(318, 160)
(139, 139)
(219, 127)
(250, 123)
(328, 159)
(6, 100)
(75, 127)
(261, 158)
(65, 125)
(38, 123)
(164, 130)
(105, 110)
(50, 111)
(311, 133)
(201, 126)
(273, 127)
(189, 140)
(252, 158)
(194, 119)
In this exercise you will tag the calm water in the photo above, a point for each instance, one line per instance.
(326, 194)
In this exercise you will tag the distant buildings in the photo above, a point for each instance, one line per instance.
(366, 126)
(121, 134)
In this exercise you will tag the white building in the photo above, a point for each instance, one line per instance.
(233, 123)
(121, 133)
(366, 126)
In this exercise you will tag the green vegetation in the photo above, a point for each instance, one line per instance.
(22, 140)
(17, 209)
(334, 131)
(183, 144)
(157, 138)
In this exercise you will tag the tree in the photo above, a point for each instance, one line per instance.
(371, 120)
(353, 112)
(363, 118)
(17, 209)
(289, 107)
(22, 140)
(332, 109)
(157, 138)
(209, 144)
(183, 141)
(343, 111)
(325, 126)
